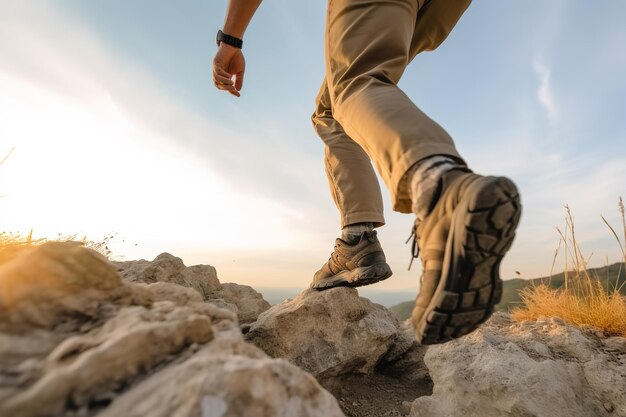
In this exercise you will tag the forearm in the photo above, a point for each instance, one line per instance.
(238, 16)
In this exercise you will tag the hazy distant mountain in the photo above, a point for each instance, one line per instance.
(612, 276)
(384, 297)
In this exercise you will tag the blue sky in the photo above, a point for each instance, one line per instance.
(117, 128)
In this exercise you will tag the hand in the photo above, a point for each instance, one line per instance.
(228, 64)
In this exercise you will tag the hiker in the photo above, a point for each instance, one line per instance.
(464, 222)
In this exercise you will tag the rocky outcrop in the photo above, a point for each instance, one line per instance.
(248, 302)
(76, 340)
(544, 368)
(328, 333)
(54, 282)
(163, 339)
(227, 382)
(169, 268)
(357, 349)
(243, 300)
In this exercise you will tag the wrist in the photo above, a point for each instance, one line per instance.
(232, 30)
(226, 51)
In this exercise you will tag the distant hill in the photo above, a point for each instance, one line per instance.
(403, 309)
(384, 297)
(612, 275)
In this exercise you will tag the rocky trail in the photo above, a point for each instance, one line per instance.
(83, 336)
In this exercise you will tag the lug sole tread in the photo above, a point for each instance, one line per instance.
(468, 298)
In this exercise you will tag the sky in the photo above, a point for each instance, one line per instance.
(113, 126)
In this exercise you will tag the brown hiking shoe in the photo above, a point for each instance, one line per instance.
(461, 244)
(362, 263)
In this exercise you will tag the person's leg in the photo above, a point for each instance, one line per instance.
(368, 46)
(357, 195)
(472, 221)
(435, 20)
(465, 223)
(418, 186)
(358, 258)
(353, 183)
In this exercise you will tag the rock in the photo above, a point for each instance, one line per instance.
(406, 407)
(617, 344)
(227, 383)
(249, 302)
(242, 299)
(84, 365)
(168, 268)
(405, 358)
(80, 341)
(221, 303)
(327, 333)
(54, 279)
(404, 340)
(543, 368)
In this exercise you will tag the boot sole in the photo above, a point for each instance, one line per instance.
(357, 277)
(482, 231)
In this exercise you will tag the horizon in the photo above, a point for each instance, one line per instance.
(116, 128)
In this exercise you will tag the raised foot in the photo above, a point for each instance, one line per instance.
(481, 232)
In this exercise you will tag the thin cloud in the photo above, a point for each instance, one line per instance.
(544, 91)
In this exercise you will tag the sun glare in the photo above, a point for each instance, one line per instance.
(82, 166)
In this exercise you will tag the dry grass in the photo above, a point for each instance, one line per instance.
(594, 307)
(12, 244)
(582, 299)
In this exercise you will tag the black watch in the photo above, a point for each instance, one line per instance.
(229, 40)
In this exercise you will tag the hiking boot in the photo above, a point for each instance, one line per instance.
(461, 244)
(353, 265)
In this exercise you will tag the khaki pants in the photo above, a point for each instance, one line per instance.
(362, 115)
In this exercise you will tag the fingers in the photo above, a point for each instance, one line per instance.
(227, 87)
(223, 81)
(239, 81)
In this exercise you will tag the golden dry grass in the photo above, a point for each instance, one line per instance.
(12, 244)
(582, 300)
(595, 307)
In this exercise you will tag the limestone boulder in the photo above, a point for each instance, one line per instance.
(249, 302)
(169, 268)
(244, 300)
(544, 368)
(58, 280)
(228, 380)
(328, 333)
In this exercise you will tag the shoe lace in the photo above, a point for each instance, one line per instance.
(415, 250)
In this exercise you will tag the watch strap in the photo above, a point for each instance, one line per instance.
(229, 40)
